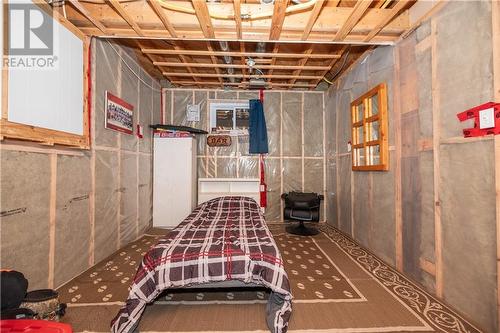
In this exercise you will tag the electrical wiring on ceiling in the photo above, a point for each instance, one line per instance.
(339, 70)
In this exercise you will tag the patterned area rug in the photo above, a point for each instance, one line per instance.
(441, 317)
(338, 286)
(313, 277)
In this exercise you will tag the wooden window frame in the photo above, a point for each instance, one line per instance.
(41, 135)
(381, 118)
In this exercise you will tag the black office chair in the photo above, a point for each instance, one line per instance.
(301, 207)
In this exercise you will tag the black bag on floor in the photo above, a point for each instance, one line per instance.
(36, 304)
(45, 304)
(13, 287)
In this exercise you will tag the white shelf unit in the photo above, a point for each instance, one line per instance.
(210, 188)
(174, 180)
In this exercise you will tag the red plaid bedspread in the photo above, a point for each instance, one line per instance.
(222, 239)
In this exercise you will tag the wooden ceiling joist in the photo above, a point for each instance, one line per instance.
(237, 18)
(302, 63)
(243, 84)
(357, 13)
(89, 16)
(169, 27)
(123, 13)
(163, 18)
(310, 23)
(185, 60)
(273, 59)
(238, 54)
(293, 25)
(209, 65)
(201, 10)
(398, 7)
(314, 16)
(183, 38)
(278, 18)
(273, 76)
(242, 58)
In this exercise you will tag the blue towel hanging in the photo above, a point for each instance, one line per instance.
(257, 128)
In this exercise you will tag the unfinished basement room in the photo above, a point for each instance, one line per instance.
(224, 166)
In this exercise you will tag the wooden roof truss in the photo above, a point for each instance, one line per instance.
(207, 43)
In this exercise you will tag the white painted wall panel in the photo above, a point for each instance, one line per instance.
(51, 98)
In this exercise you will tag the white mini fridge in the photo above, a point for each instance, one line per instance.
(174, 180)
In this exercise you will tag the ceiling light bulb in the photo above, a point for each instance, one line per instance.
(250, 62)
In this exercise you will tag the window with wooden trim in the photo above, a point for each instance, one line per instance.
(369, 131)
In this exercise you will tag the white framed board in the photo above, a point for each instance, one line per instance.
(44, 100)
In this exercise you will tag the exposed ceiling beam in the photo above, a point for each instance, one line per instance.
(238, 54)
(188, 27)
(386, 37)
(243, 84)
(209, 65)
(314, 16)
(398, 7)
(302, 62)
(185, 60)
(278, 19)
(201, 10)
(89, 16)
(273, 76)
(123, 13)
(357, 13)
(181, 57)
(242, 58)
(273, 59)
(148, 56)
(279, 13)
(261, 60)
(312, 19)
(163, 17)
(237, 18)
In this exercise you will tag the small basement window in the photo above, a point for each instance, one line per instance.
(369, 131)
(230, 117)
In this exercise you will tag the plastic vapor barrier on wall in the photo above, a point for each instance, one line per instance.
(428, 225)
(64, 210)
(296, 159)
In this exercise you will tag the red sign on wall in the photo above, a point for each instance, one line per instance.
(474, 113)
(119, 114)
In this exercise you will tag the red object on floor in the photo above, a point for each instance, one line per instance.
(474, 114)
(33, 326)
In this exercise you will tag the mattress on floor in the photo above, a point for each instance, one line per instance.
(224, 239)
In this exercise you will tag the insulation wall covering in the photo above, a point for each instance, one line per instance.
(295, 125)
(64, 210)
(432, 215)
